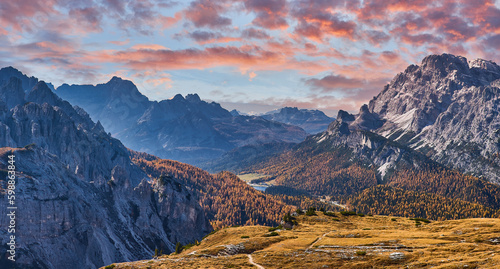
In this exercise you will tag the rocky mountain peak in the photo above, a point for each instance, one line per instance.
(178, 98)
(193, 98)
(341, 124)
(367, 120)
(445, 63)
(7, 73)
(485, 65)
(41, 93)
(344, 116)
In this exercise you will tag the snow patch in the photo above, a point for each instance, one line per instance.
(383, 169)
(403, 121)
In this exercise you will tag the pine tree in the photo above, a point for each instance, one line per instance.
(178, 248)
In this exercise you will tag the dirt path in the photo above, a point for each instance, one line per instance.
(250, 259)
(317, 240)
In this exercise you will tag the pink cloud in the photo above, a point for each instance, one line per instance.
(335, 83)
(206, 13)
(89, 18)
(255, 34)
(206, 37)
(243, 58)
(270, 14)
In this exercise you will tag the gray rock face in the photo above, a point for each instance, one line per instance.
(368, 147)
(186, 129)
(81, 202)
(312, 121)
(447, 108)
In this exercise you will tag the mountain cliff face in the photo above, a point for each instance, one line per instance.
(447, 108)
(81, 201)
(182, 128)
(312, 121)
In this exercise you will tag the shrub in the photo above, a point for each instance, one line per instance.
(111, 266)
(212, 232)
(288, 217)
(272, 229)
(190, 245)
(421, 220)
(178, 248)
(311, 211)
(348, 213)
(329, 213)
(361, 214)
(245, 236)
(271, 234)
(393, 219)
(361, 253)
(30, 146)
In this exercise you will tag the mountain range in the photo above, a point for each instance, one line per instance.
(312, 121)
(186, 129)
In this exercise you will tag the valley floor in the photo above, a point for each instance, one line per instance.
(339, 241)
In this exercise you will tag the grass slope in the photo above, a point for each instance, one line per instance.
(338, 241)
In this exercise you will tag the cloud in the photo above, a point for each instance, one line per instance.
(89, 18)
(205, 37)
(148, 47)
(318, 24)
(254, 33)
(206, 13)
(270, 14)
(333, 83)
(243, 58)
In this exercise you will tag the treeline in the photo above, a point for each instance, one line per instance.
(431, 191)
(327, 173)
(226, 200)
(305, 202)
(385, 200)
(448, 183)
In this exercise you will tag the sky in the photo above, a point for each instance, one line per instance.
(252, 55)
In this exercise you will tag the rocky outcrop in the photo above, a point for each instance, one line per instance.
(348, 132)
(81, 202)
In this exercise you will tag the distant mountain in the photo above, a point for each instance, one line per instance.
(312, 121)
(81, 201)
(182, 128)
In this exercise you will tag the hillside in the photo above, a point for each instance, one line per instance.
(226, 200)
(339, 241)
